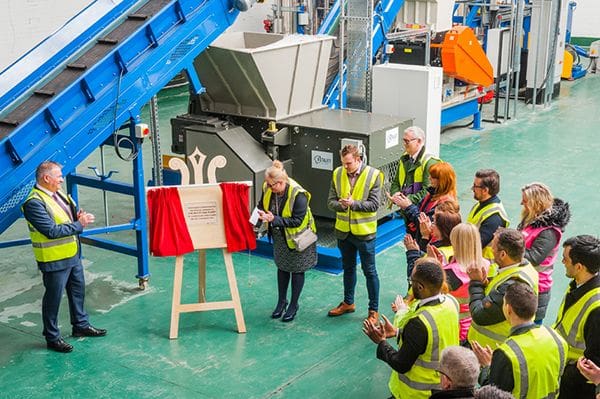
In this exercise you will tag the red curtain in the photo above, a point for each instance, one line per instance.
(238, 230)
(169, 235)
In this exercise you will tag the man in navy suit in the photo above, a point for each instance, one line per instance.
(54, 226)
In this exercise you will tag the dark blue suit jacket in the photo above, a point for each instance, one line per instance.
(36, 213)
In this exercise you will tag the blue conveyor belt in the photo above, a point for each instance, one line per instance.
(78, 109)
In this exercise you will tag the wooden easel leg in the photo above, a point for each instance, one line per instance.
(176, 303)
(202, 276)
(235, 295)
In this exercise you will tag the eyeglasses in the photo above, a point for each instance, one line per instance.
(407, 141)
(412, 282)
(476, 186)
(271, 185)
(442, 373)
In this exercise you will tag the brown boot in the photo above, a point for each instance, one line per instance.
(342, 308)
(373, 317)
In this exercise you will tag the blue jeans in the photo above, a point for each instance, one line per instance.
(366, 250)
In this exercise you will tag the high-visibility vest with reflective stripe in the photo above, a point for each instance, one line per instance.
(495, 334)
(293, 190)
(477, 219)
(356, 222)
(571, 322)
(441, 322)
(418, 174)
(538, 358)
(44, 248)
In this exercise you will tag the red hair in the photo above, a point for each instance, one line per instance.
(446, 176)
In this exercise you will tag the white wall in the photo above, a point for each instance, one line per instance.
(24, 23)
(252, 20)
(586, 18)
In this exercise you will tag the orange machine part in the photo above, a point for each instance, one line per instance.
(463, 57)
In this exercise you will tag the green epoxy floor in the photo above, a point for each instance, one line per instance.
(312, 357)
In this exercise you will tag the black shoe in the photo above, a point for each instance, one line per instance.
(60, 346)
(290, 314)
(279, 309)
(88, 331)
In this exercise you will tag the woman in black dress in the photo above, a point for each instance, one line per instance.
(285, 207)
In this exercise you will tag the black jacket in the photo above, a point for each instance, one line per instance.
(572, 383)
(414, 343)
(557, 216)
(460, 393)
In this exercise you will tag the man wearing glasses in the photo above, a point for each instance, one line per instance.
(488, 213)
(412, 178)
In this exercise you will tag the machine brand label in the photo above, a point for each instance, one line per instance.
(321, 160)
(392, 138)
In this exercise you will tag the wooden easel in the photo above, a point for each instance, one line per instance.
(177, 307)
(203, 211)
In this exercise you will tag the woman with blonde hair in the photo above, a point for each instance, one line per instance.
(466, 244)
(543, 221)
(285, 207)
(442, 188)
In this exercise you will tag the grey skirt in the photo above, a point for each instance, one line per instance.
(290, 260)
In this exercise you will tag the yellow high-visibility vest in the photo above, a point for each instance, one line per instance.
(356, 222)
(538, 358)
(496, 334)
(477, 219)
(571, 322)
(441, 322)
(46, 249)
(293, 190)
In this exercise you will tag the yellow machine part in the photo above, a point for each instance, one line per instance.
(567, 70)
(463, 57)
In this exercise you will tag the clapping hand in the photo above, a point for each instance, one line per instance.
(388, 328)
(375, 332)
(410, 243)
(399, 304)
(401, 200)
(477, 273)
(434, 252)
(424, 225)
(85, 218)
(484, 355)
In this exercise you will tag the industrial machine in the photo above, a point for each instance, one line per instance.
(435, 71)
(263, 102)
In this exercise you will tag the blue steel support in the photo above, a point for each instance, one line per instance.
(141, 228)
(461, 111)
(137, 191)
